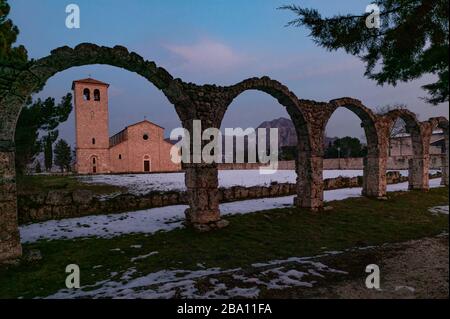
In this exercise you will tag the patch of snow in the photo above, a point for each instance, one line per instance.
(162, 284)
(279, 274)
(332, 252)
(301, 261)
(144, 256)
(106, 226)
(439, 210)
(286, 278)
(444, 234)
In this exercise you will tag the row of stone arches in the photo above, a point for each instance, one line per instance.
(208, 103)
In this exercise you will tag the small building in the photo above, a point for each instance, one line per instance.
(400, 150)
(401, 144)
(139, 148)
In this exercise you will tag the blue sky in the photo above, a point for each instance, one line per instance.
(209, 41)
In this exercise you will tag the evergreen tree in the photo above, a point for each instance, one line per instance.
(412, 41)
(9, 55)
(48, 149)
(35, 118)
(39, 118)
(346, 147)
(288, 153)
(63, 155)
(38, 168)
(13, 59)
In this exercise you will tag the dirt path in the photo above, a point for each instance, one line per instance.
(415, 269)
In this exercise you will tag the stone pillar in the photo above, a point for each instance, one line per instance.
(418, 173)
(374, 176)
(375, 163)
(201, 178)
(309, 182)
(10, 247)
(203, 197)
(445, 160)
(309, 163)
(419, 164)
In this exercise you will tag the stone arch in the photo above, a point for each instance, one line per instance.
(208, 104)
(281, 93)
(34, 77)
(21, 84)
(367, 117)
(439, 122)
(374, 172)
(305, 164)
(418, 164)
(272, 87)
(442, 123)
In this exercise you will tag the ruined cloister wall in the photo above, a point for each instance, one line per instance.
(208, 104)
(351, 163)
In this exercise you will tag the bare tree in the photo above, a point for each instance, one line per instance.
(399, 128)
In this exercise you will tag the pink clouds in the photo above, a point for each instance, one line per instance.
(207, 55)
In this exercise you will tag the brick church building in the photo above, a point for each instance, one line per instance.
(139, 148)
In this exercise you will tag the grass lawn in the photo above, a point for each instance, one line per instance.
(42, 183)
(251, 238)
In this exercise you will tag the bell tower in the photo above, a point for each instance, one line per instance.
(92, 126)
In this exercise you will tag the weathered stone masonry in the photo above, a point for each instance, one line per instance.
(208, 103)
(60, 204)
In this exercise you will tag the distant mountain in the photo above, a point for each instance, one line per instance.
(287, 136)
(286, 131)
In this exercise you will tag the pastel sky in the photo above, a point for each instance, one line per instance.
(209, 41)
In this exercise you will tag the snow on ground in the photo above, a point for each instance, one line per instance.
(439, 210)
(164, 284)
(140, 184)
(144, 256)
(164, 218)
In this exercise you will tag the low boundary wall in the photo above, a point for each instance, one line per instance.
(58, 204)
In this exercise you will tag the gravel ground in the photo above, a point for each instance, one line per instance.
(416, 269)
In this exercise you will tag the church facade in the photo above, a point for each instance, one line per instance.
(139, 148)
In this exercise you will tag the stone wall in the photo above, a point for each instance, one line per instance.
(64, 204)
(393, 163)
(282, 165)
(402, 162)
(343, 163)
